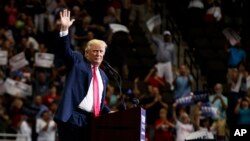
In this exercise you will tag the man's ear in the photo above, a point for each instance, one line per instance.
(86, 53)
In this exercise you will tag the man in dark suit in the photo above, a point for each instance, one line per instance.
(76, 108)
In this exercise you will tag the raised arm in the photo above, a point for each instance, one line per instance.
(237, 107)
(65, 23)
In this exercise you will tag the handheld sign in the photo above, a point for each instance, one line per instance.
(118, 27)
(3, 57)
(17, 88)
(153, 22)
(44, 60)
(18, 61)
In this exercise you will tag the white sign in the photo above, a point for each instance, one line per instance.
(201, 134)
(18, 61)
(3, 57)
(153, 22)
(118, 27)
(208, 110)
(186, 100)
(17, 88)
(231, 36)
(45, 60)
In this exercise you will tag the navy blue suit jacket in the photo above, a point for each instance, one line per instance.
(76, 86)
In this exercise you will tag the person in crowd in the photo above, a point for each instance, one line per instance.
(205, 125)
(39, 106)
(213, 12)
(153, 103)
(236, 55)
(183, 125)
(220, 102)
(51, 96)
(183, 82)
(153, 79)
(111, 17)
(165, 57)
(46, 127)
(195, 13)
(112, 97)
(243, 111)
(11, 10)
(164, 127)
(239, 81)
(4, 117)
(138, 10)
(16, 113)
(41, 85)
(25, 129)
(85, 86)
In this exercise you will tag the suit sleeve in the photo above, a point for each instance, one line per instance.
(68, 54)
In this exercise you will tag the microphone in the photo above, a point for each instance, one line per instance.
(135, 101)
(113, 72)
(118, 80)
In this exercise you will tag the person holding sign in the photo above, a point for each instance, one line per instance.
(85, 87)
(183, 124)
(165, 57)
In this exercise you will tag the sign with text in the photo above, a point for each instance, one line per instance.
(199, 135)
(208, 110)
(18, 61)
(3, 57)
(185, 101)
(17, 88)
(44, 60)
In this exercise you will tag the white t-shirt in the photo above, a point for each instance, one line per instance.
(26, 131)
(49, 134)
(183, 130)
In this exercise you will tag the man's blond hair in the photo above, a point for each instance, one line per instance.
(95, 42)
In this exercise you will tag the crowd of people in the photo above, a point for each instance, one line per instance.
(32, 26)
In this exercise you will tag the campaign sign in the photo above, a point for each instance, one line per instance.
(200, 96)
(199, 135)
(3, 57)
(231, 36)
(17, 88)
(153, 22)
(118, 27)
(208, 110)
(18, 61)
(185, 101)
(44, 60)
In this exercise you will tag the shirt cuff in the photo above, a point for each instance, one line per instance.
(63, 33)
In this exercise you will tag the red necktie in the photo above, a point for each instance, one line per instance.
(96, 93)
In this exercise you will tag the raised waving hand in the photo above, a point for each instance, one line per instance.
(65, 20)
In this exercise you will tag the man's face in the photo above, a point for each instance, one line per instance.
(95, 54)
(167, 38)
(183, 70)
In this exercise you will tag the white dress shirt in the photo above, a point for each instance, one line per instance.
(87, 103)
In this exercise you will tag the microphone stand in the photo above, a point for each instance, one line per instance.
(118, 80)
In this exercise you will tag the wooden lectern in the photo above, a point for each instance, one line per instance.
(127, 125)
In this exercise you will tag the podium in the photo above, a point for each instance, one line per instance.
(127, 125)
